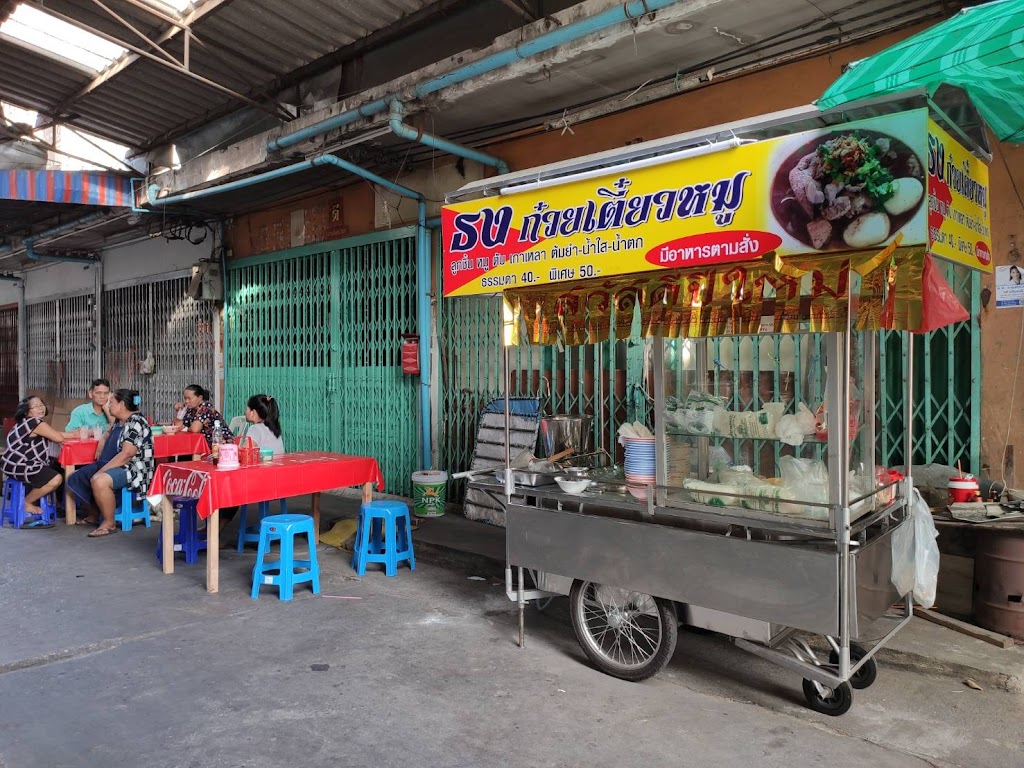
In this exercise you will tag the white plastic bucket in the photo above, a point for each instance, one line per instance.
(429, 492)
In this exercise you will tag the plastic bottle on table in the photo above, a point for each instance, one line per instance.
(216, 441)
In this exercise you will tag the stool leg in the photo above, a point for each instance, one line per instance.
(314, 563)
(284, 506)
(363, 545)
(356, 541)
(240, 544)
(390, 547)
(124, 511)
(287, 563)
(257, 570)
(408, 541)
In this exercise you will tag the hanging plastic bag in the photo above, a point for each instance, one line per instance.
(926, 553)
(915, 554)
(939, 305)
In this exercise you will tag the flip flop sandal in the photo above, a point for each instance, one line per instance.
(99, 533)
(83, 521)
(35, 525)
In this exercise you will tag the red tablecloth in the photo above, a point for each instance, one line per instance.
(75, 453)
(293, 474)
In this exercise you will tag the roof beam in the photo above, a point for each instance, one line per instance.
(172, 31)
(163, 62)
(145, 38)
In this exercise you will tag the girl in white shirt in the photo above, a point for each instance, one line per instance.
(264, 423)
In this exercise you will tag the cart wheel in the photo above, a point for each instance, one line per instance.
(625, 634)
(863, 677)
(830, 701)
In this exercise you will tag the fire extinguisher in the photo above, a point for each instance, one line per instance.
(410, 354)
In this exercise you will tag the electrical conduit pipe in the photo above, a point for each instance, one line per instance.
(627, 11)
(422, 256)
(409, 133)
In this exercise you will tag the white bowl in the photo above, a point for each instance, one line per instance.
(572, 485)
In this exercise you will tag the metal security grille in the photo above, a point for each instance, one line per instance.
(279, 344)
(8, 360)
(947, 385)
(61, 346)
(160, 318)
(469, 344)
(319, 328)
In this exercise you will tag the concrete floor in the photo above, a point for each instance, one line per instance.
(106, 662)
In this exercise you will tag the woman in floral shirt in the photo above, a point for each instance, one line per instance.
(132, 467)
(200, 414)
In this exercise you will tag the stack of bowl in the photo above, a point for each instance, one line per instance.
(640, 464)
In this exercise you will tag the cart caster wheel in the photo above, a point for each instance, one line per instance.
(863, 677)
(830, 701)
(628, 635)
(542, 603)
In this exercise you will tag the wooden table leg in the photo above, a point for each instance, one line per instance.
(70, 512)
(315, 504)
(167, 532)
(367, 492)
(213, 552)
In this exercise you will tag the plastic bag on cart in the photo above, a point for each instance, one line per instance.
(926, 553)
(915, 555)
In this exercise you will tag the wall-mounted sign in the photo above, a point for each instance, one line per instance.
(959, 218)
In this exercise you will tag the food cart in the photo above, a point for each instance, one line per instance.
(804, 222)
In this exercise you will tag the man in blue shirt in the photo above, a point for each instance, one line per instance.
(95, 413)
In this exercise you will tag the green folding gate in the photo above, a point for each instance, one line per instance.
(319, 328)
(748, 372)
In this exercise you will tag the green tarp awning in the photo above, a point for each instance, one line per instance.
(980, 50)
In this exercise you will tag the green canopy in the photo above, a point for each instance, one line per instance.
(980, 50)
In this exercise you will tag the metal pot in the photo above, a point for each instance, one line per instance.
(561, 431)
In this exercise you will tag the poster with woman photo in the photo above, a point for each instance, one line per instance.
(1010, 286)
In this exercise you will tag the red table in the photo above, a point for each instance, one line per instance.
(76, 453)
(293, 474)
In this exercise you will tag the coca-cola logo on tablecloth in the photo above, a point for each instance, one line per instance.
(187, 486)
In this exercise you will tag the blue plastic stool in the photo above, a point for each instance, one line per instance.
(251, 533)
(284, 528)
(188, 540)
(384, 535)
(126, 512)
(14, 506)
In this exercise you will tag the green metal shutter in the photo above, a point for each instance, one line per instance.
(319, 328)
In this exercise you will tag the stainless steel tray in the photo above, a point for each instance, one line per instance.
(524, 477)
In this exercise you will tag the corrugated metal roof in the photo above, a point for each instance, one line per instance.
(243, 45)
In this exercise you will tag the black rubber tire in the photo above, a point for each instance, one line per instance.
(863, 677)
(837, 704)
(667, 635)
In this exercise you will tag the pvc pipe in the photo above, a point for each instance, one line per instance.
(404, 131)
(30, 251)
(568, 33)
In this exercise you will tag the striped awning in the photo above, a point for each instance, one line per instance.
(77, 187)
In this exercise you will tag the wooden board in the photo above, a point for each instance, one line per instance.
(993, 638)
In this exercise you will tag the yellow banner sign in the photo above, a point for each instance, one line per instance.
(959, 220)
(846, 188)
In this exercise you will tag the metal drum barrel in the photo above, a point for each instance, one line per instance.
(999, 582)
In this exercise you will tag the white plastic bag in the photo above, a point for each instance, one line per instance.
(926, 553)
(915, 555)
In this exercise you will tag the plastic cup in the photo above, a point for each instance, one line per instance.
(97, 433)
(83, 433)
